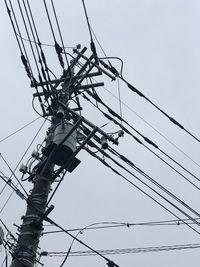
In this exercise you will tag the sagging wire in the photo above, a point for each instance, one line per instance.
(110, 263)
(149, 178)
(44, 44)
(144, 192)
(123, 251)
(81, 232)
(128, 225)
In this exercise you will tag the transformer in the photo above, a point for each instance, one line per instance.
(63, 148)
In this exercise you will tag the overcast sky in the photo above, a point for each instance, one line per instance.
(159, 43)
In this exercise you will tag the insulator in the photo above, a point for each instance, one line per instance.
(35, 154)
(60, 113)
(104, 142)
(23, 169)
(121, 133)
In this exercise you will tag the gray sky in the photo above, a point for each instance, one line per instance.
(159, 44)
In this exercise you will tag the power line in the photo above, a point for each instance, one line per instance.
(42, 44)
(81, 242)
(9, 197)
(59, 30)
(141, 190)
(92, 44)
(126, 250)
(133, 89)
(149, 178)
(24, 58)
(19, 130)
(110, 225)
(152, 127)
(139, 141)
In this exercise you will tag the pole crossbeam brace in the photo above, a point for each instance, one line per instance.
(87, 86)
(81, 87)
(62, 79)
(96, 65)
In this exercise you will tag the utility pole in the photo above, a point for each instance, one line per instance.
(69, 131)
(31, 228)
(60, 151)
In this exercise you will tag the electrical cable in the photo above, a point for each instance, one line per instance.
(6, 257)
(99, 45)
(53, 193)
(24, 58)
(180, 150)
(49, 19)
(74, 238)
(87, 19)
(13, 174)
(80, 232)
(59, 30)
(19, 130)
(127, 250)
(127, 225)
(120, 101)
(28, 36)
(117, 58)
(2, 190)
(141, 190)
(11, 185)
(4, 261)
(44, 44)
(92, 45)
(150, 179)
(153, 128)
(133, 89)
(9, 197)
(81, 242)
(97, 98)
(13, 26)
(42, 59)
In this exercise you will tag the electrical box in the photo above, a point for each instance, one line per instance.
(63, 148)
